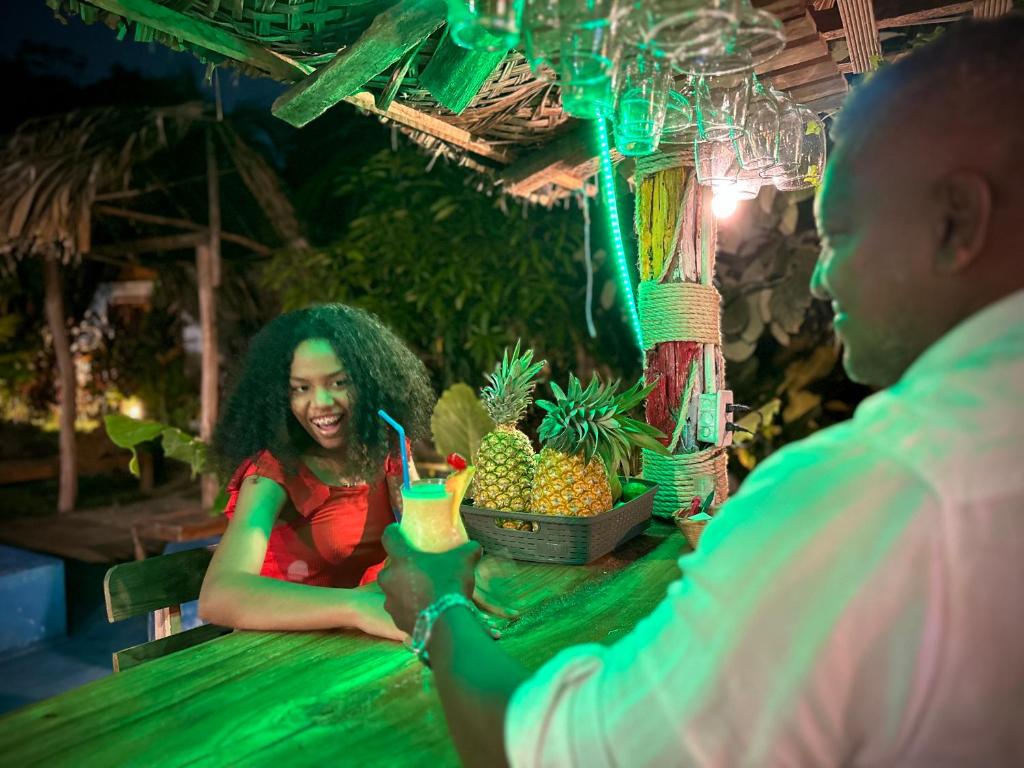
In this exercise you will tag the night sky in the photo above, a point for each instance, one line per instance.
(30, 21)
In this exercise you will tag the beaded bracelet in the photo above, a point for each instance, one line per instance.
(424, 626)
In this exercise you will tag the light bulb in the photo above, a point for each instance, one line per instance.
(723, 204)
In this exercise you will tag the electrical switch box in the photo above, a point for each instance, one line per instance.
(713, 416)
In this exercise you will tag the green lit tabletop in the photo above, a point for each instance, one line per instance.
(306, 698)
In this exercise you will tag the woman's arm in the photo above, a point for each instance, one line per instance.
(235, 595)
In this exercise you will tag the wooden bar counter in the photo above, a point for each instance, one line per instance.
(314, 698)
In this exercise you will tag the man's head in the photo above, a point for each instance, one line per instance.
(921, 212)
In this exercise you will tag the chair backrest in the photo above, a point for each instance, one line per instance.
(159, 584)
(135, 588)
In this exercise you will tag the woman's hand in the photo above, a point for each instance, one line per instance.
(373, 618)
(412, 579)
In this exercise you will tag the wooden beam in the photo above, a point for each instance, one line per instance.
(388, 37)
(150, 244)
(559, 157)
(796, 54)
(892, 14)
(205, 35)
(167, 221)
(454, 75)
(433, 126)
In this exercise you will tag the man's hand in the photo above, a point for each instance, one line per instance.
(412, 579)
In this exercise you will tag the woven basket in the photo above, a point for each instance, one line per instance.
(558, 538)
(692, 529)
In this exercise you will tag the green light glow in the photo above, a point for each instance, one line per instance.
(608, 190)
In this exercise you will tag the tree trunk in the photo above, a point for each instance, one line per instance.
(66, 387)
(208, 278)
(676, 234)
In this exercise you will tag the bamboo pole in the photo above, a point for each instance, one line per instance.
(54, 302)
(208, 278)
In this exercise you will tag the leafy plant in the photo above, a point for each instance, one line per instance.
(456, 273)
(126, 432)
(459, 422)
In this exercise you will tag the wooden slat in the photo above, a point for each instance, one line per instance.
(208, 36)
(560, 156)
(454, 75)
(419, 121)
(991, 9)
(861, 33)
(392, 33)
(132, 589)
(155, 649)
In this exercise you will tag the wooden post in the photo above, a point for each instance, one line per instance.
(676, 233)
(208, 278)
(67, 388)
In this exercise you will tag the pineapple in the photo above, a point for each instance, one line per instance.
(505, 460)
(586, 437)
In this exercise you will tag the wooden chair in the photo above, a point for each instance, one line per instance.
(159, 584)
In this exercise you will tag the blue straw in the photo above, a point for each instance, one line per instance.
(401, 439)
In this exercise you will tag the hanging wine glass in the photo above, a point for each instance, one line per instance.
(721, 103)
(485, 25)
(811, 156)
(680, 128)
(642, 82)
(717, 164)
(757, 146)
(752, 38)
(587, 57)
(673, 28)
(791, 127)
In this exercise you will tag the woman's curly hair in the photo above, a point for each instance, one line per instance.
(382, 370)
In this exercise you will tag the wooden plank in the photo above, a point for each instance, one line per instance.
(861, 33)
(557, 157)
(388, 37)
(338, 693)
(805, 94)
(795, 54)
(454, 75)
(205, 35)
(138, 587)
(155, 649)
(822, 69)
(433, 126)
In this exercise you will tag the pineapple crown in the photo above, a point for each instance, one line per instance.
(509, 387)
(593, 422)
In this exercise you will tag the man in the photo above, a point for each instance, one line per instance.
(859, 601)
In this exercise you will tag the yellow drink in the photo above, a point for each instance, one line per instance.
(430, 519)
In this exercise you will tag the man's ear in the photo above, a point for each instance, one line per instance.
(965, 203)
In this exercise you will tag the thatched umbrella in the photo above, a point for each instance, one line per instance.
(53, 171)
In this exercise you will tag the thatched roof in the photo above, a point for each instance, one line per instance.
(393, 59)
(60, 174)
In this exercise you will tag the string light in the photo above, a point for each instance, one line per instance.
(608, 190)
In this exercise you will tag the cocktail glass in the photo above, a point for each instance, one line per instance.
(430, 512)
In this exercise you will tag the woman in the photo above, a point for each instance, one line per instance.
(316, 473)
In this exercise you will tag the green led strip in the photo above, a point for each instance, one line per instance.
(608, 190)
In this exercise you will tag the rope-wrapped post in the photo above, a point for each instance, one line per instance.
(680, 315)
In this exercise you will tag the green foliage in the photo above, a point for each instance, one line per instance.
(453, 272)
(459, 422)
(129, 433)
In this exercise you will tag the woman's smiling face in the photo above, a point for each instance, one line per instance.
(321, 393)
